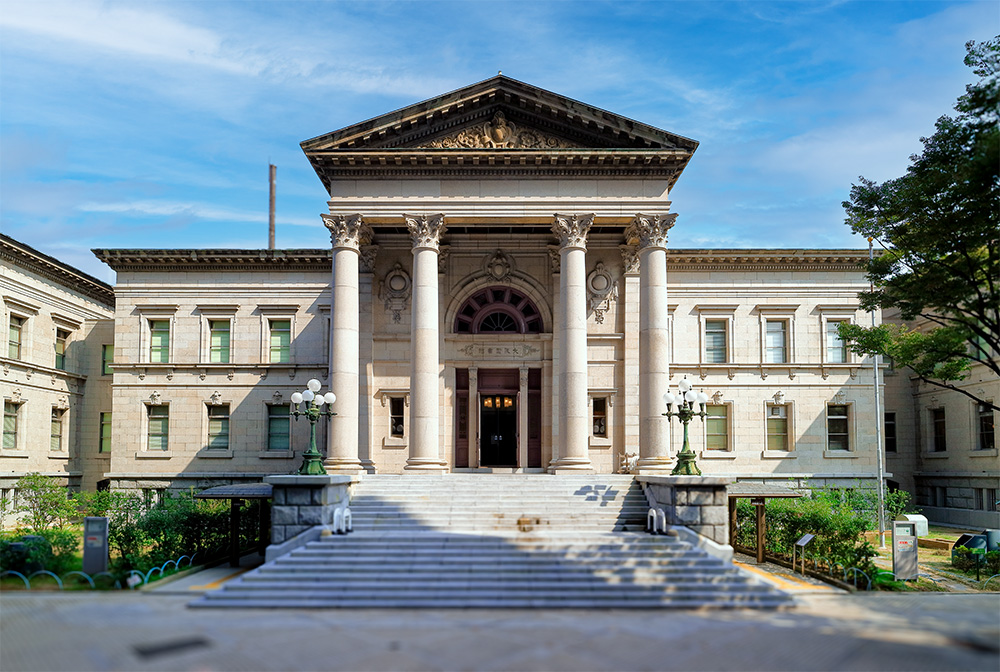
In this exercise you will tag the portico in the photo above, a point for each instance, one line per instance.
(495, 228)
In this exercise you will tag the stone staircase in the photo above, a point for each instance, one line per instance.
(488, 541)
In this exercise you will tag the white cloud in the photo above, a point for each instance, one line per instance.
(205, 211)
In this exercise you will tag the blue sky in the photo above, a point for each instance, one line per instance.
(144, 124)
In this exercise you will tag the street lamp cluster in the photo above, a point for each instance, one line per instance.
(309, 402)
(689, 404)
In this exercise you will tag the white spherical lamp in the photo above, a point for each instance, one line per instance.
(314, 385)
(330, 398)
(296, 397)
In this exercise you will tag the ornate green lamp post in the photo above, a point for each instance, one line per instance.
(689, 404)
(309, 403)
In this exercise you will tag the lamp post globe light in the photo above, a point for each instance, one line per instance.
(309, 402)
(689, 405)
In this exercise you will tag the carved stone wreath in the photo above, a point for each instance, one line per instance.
(396, 291)
(602, 290)
(498, 133)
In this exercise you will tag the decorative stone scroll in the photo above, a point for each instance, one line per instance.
(395, 291)
(498, 133)
(366, 261)
(426, 230)
(347, 230)
(555, 260)
(630, 259)
(571, 230)
(444, 251)
(215, 399)
(62, 403)
(650, 230)
(155, 399)
(602, 291)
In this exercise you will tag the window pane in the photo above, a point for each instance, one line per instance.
(775, 340)
(105, 433)
(777, 434)
(281, 338)
(987, 439)
(837, 427)
(14, 338)
(716, 427)
(219, 346)
(61, 337)
(278, 427)
(159, 422)
(107, 359)
(601, 417)
(890, 432)
(55, 440)
(715, 341)
(396, 413)
(836, 350)
(218, 427)
(159, 341)
(10, 425)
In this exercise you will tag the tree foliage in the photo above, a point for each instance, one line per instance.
(939, 225)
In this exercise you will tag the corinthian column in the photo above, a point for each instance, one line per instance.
(347, 234)
(425, 448)
(574, 416)
(654, 344)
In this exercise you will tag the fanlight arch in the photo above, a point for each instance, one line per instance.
(498, 310)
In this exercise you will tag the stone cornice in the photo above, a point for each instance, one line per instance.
(209, 260)
(319, 259)
(72, 279)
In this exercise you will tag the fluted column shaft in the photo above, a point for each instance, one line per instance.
(574, 416)
(347, 233)
(424, 439)
(654, 341)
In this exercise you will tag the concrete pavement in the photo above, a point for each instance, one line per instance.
(150, 631)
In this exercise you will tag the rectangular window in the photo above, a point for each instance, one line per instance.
(10, 413)
(717, 427)
(105, 445)
(218, 427)
(890, 432)
(716, 351)
(777, 427)
(159, 424)
(15, 335)
(396, 416)
(978, 499)
(159, 341)
(281, 340)
(991, 503)
(278, 426)
(61, 337)
(940, 496)
(984, 415)
(837, 427)
(107, 359)
(56, 433)
(836, 349)
(776, 342)
(601, 417)
(218, 341)
(938, 431)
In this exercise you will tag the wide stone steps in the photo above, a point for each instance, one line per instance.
(496, 541)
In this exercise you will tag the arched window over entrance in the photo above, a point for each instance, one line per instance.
(498, 310)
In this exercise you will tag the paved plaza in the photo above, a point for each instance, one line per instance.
(151, 631)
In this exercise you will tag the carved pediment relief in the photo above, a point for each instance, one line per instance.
(498, 133)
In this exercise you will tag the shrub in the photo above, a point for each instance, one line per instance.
(963, 559)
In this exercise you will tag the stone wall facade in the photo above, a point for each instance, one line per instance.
(698, 503)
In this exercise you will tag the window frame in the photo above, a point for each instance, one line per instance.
(149, 434)
(789, 448)
(147, 315)
(22, 321)
(848, 433)
(272, 313)
(162, 350)
(104, 422)
(727, 421)
(207, 314)
(833, 317)
(888, 422)
(62, 338)
(213, 411)
(58, 419)
(17, 443)
(269, 415)
(983, 414)
(716, 313)
(397, 403)
(938, 430)
(107, 364)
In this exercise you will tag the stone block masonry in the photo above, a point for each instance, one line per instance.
(302, 502)
(697, 502)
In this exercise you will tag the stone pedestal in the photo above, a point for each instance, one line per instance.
(300, 503)
(699, 503)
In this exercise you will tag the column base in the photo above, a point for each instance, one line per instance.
(425, 465)
(343, 466)
(654, 466)
(575, 465)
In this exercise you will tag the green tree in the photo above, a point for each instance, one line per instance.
(940, 230)
(43, 502)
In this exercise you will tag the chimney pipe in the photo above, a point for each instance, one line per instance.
(272, 171)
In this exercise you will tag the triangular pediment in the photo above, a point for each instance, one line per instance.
(499, 113)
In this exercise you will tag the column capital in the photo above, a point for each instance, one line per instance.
(426, 230)
(650, 230)
(571, 230)
(347, 231)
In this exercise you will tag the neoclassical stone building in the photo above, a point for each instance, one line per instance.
(500, 294)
